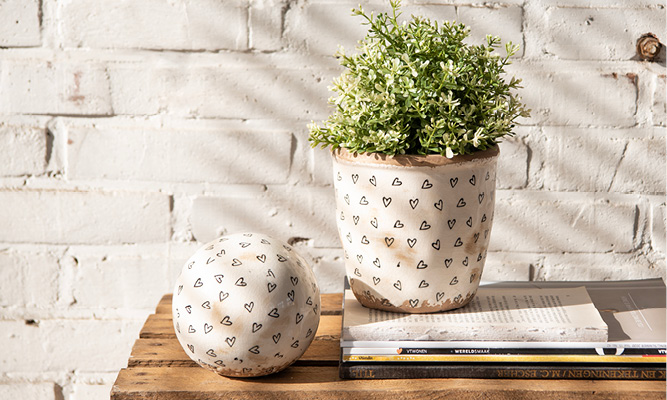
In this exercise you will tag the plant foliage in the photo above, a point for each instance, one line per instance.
(416, 88)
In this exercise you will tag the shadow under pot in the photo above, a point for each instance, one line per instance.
(415, 229)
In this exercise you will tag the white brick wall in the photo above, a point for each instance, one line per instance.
(133, 131)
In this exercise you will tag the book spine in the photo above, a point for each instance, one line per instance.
(504, 358)
(395, 371)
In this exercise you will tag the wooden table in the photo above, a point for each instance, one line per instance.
(158, 368)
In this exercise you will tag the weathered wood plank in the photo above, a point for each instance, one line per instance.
(331, 304)
(298, 382)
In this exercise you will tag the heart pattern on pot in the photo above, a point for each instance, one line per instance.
(256, 291)
(427, 226)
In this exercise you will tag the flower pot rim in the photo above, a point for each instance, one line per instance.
(412, 160)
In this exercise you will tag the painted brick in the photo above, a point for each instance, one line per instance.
(238, 93)
(120, 281)
(642, 167)
(282, 214)
(579, 96)
(179, 155)
(658, 227)
(155, 24)
(266, 24)
(592, 267)
(66, 345)
(508, 266)
(328, 266)
(46, 87)
(24, 390)
(535, 222)
(33, 276)
(595, 33)
(76, 217)
(23, 150)
(82, 391)
(659, 106)
(19, 23)
(512, 164)
(504, 21)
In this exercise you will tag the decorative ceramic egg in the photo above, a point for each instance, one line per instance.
(246, 305)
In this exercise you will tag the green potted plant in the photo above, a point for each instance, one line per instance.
(414, 138)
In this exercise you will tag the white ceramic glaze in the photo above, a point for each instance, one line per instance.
(414, 229)
(246, 305)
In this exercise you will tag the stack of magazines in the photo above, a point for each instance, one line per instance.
(531, 330)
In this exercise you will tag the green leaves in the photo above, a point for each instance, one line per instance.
(416, 88)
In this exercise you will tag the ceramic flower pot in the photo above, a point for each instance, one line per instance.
(414, 229)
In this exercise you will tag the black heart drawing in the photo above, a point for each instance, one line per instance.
(256, 327)
(374, 222)
(347, 199)
(451, 223)
(226, 321)
(210, 247)
(188, 309)
(309, 301)
(396, 182)
(413, 203)
(386, 201)
(472, 277)
(484, 218)
(487, 176)
(458, 243)
(357, 273)
(355, 178)
(191, 329)
(414, 302)
(360, 258)
(211, 353)
(486, 233)
(190, 265)
(479, 256)
(207, 328)
(262, 257)
(424, 226)
(310, 332)
(264, 241)
(342, 216)
(389, 241)
(274, 313)
(373, 181)
(376, 262)
(221, 253)
(476, 236)
(448, 262)
(349, 237)
(480, 197)
(454, 281)
(458, 298)
(192, 348)
(290, 295)
(198, 282)
(472, 180)
(247, 234)
(355, 218)
(244, 244)
(278, 355)
(439, 295)
(294, 280)
(363, 201)
(223, 295)
(436, 244)
(461, 203)
(220, 363)
(180, 288)
(438, 205)
(249, 306)
(453, 181)
(218, 277)
(254, 349)
(295, 344)
(206, 304)
(427, 185)
(398, 285)
(276, 338)
(270, 273)
(469, 222)
(398, 224)
(299, 317)
(422, 265)
(412, 242)
(240, 282)
(364, 240)
(376, 280)
(236, 262)
(271, 286)
(210, 260)
(423, 284)
(465, 261)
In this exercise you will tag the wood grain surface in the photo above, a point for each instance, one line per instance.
(158, 368)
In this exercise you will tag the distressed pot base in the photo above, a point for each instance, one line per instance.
(366, 297)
